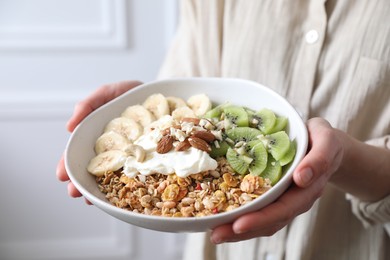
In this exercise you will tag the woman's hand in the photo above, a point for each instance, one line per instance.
(98, 98)
(325, 154)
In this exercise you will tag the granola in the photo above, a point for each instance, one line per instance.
(206, 193)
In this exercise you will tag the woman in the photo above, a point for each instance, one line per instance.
(331, 60)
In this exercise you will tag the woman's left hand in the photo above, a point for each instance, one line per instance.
(310, 178)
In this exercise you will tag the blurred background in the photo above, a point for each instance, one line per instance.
(53, 53)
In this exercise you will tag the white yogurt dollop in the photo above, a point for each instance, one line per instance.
(183, 163)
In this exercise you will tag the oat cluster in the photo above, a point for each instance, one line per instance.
(200, 194)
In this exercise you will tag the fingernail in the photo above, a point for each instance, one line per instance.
(306, 175)
(216, 240)
(237, 229)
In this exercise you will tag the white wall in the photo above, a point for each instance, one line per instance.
(52, 54)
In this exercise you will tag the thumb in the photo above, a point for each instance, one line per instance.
(324, 156)
(98, 98)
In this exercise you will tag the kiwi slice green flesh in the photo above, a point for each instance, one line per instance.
(273, 171)
(289, 156)
(250, 113)
(259, 155)
(237, 161)
(216, 112)
(219, 151)
(280, 124)
(235, 116)
(278, 144)
(213, 113)
(245, 134)
(264, 119)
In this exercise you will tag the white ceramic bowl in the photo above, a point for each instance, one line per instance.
(80, 148)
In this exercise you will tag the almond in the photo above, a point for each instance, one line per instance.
(199, 143)
(182, 146)
(205, 135)
(165, 144)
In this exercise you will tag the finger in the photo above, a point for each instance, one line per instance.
(324, 156)
(227, 234)
(60, 171)
(101, 96)
(272, 218)
(292, 203)
(72, 191)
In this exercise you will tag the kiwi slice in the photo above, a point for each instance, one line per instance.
(289, 156)
(278, 144)
(245, 134)
(273, 171)
(259, 154)
(213, 113)
(240, 163)
(235, 116)
(250, 112)
(216, 112)
(280, 124)
(264, 120)
(220, 150)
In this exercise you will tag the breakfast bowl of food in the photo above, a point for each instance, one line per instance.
(187, 155)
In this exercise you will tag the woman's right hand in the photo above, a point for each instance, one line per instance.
(98, 98)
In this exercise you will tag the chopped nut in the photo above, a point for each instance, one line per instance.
(180, 135)
(193, 120)
(217, 134)
(207, 124)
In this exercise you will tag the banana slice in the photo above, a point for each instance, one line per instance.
(175, 102)
(110, 141)
(200, 104)
(157, 104)
(127, 127)
(140, 114)
(107, 161)
(182, 112)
